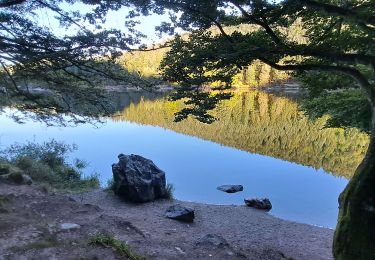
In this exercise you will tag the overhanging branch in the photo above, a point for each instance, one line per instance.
(352, 72)
(10, 3)
(339, 11)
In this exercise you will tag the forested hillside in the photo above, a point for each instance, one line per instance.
(265, 124)
(146, 63)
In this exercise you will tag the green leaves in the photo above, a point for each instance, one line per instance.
(36, 53)
(334, 36)
(330, 36)
(346, 109)
(198, 104)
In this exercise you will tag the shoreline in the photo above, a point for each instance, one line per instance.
(218, 231)
(243, 205)
(282, 239)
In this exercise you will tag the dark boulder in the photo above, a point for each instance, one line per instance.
(230, 188)
(264, 204)
(181, 213)
(138, 179)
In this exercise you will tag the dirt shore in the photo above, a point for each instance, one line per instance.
(31, 228)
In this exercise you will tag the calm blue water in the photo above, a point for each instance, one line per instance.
(196, 167)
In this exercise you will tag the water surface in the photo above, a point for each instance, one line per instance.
(261, 141)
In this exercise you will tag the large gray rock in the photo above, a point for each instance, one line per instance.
(181, 213)
(138, 179)
(230, 188)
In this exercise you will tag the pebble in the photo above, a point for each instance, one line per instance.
(179, 250)
(69, 226)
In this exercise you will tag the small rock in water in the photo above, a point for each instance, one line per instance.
(69, 226)
(230, 188)
(264, 204)
(179, 212)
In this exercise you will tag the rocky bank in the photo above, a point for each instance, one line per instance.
(40, 224)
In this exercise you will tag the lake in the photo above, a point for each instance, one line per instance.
(260, 140)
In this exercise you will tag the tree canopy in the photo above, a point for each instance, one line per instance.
(338, 38)
(72, 57)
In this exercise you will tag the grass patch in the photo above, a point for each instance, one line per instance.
(110, 186)
(117, 245)
(170, 190)
(47, 163)
(3, 200)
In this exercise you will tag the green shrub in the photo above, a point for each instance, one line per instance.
(51, 153)
(47, 163)
(6, 167)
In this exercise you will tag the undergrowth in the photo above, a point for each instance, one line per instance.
(47, 163)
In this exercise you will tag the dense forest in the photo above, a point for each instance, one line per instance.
(256, 74)
(264, 124)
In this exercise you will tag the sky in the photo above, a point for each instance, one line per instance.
(114, 19)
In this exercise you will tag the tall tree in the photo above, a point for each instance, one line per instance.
(338, 38)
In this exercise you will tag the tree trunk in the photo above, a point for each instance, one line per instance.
(355, 232)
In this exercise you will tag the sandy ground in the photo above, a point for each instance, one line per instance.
(31, 218)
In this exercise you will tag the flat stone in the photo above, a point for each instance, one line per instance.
(69, 226)
(264, 204)
(230, 188)
(212, 240)
(181, 213)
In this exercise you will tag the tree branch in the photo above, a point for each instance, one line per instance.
(352, 72)
(263, 24)
(209, 18)
(339, 11)
(10, 3)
